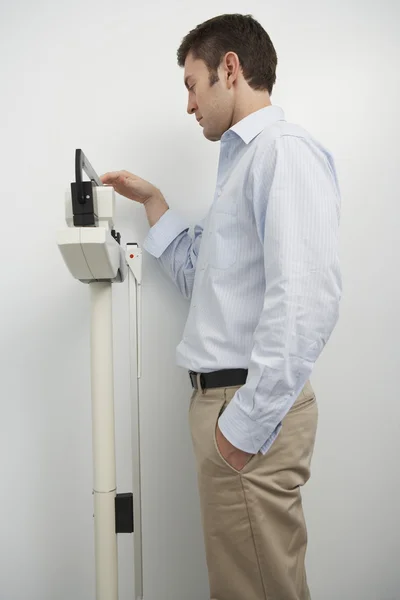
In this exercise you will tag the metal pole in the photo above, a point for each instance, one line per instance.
(134, 334)
(103, 439)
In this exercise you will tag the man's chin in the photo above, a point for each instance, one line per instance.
(211, 137)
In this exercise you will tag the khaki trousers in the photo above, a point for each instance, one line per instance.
(253, 523)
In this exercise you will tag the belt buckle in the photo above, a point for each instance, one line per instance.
(193, 379)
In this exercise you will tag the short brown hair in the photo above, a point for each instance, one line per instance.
(237, 33)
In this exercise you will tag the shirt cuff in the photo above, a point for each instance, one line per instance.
(244, 433)
(167, 228)
(265, 447)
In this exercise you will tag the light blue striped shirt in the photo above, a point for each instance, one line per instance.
(262, 270)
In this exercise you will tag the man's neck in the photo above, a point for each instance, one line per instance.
(243, 110)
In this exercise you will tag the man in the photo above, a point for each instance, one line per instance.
(263, 276)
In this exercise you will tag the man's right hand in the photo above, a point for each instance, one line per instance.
(140, 190)
(132, 187)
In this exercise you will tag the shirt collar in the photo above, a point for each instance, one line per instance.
(249, 127)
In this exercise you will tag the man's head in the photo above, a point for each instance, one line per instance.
(229, 70)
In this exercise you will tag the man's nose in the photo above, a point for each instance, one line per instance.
(191, 107)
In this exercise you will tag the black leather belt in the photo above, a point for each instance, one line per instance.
(217, 379)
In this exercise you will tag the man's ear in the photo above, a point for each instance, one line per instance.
(231, 67)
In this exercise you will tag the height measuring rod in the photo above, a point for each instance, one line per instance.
(91, 249)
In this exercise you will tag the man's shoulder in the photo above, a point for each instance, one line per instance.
(271, 135)
(270, 138)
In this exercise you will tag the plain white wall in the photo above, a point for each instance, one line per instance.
(102, 76)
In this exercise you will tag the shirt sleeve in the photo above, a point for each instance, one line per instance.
(175, 249)
(297, 213)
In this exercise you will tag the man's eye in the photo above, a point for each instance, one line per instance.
(192, 88)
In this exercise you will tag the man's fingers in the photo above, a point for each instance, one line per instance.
(106, 178)
(115, 177)
(110, 177)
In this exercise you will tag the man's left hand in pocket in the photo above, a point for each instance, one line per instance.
(235, 457)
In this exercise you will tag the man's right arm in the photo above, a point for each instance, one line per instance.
(168, 239)
(170, 243)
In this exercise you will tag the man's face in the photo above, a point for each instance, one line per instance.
(211, 104)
